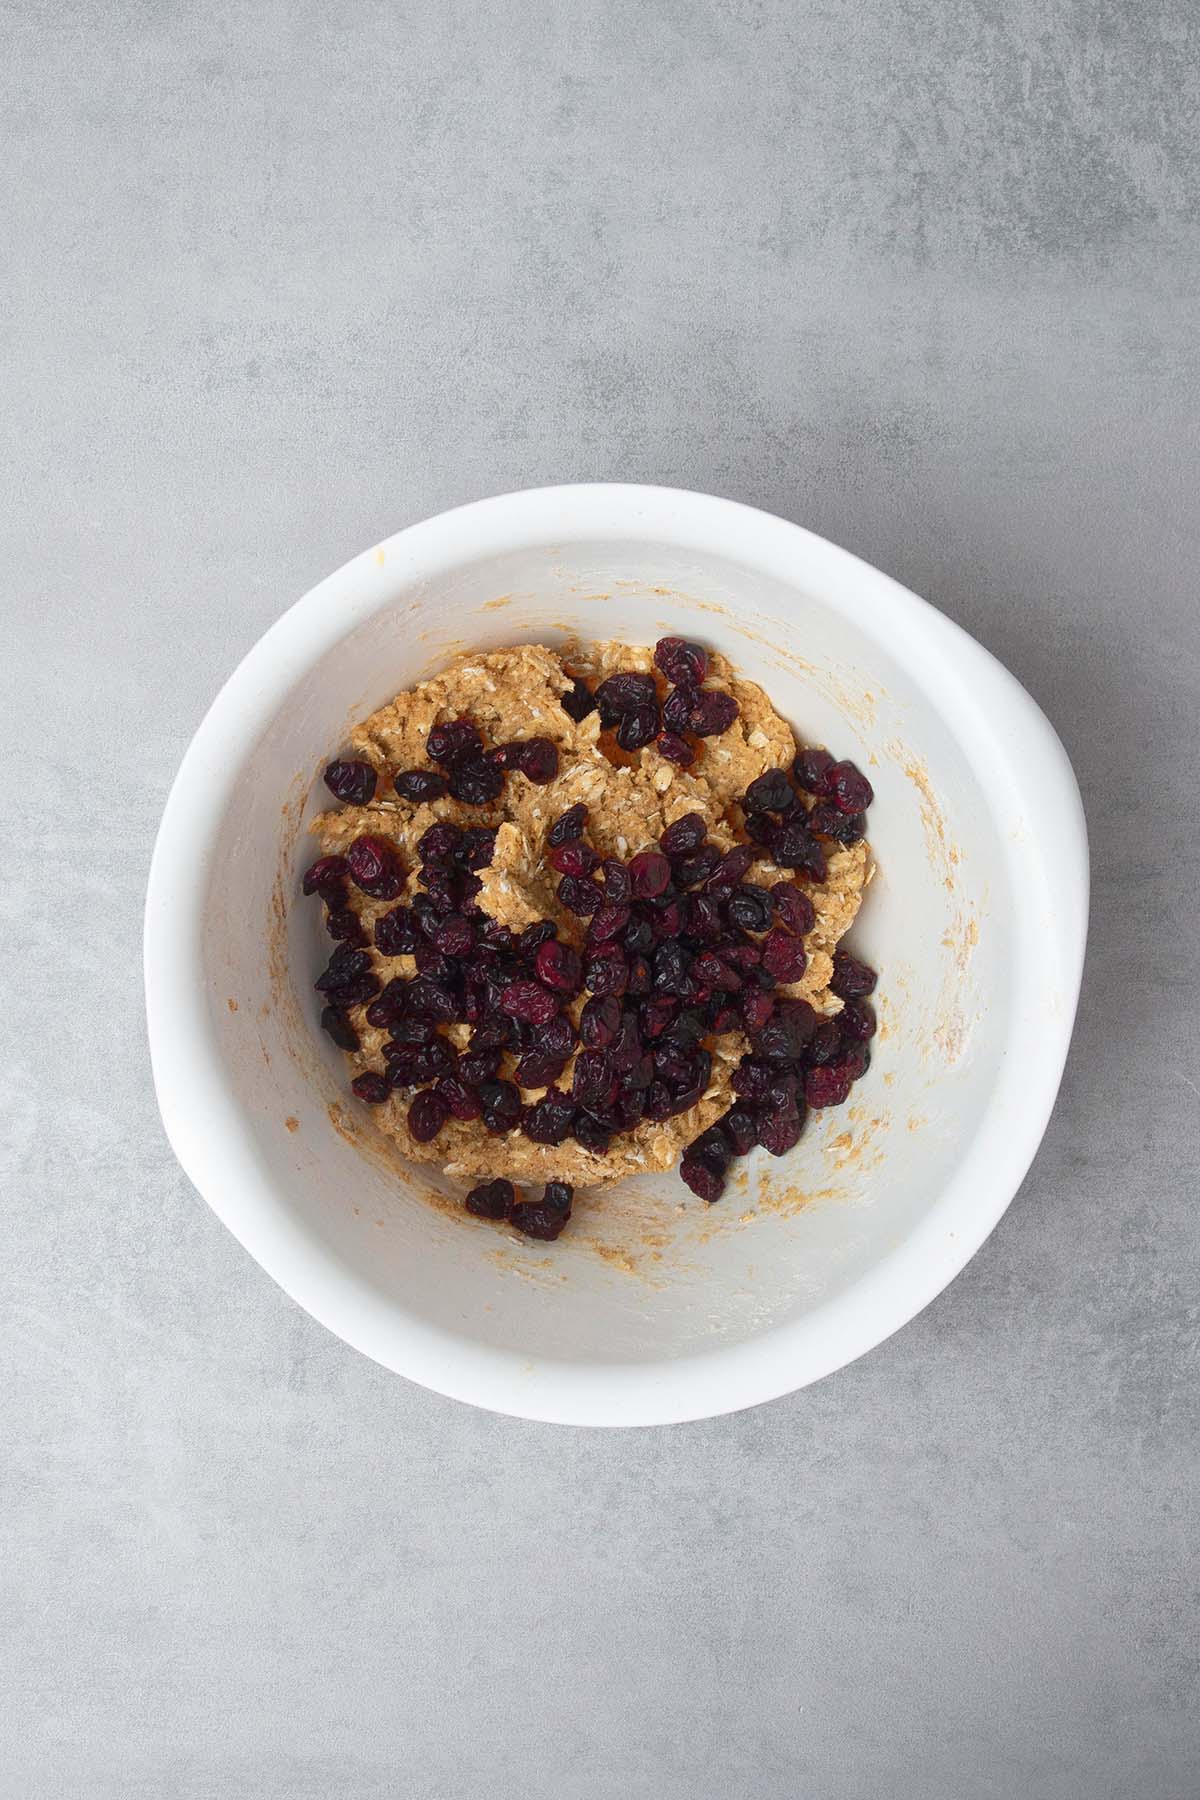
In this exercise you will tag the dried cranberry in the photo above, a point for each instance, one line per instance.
(345, 925)
(438, 843)
(534, 936)
(339, 1028)
(574, 858)
(475, 847)
(536, 1069)
(623, 693)
(756, 1009)
(639, 727)
(607, 972)
(713, 713)
(375, 868)
(478, 1066)
(712, 1148)
(463, 1101)
(690, 871)
(577, 702)
(729, 871)
(770, 792)
(430, 961)
(549, 1120)
(783, 955)
(679, 706)
(454, 935)
(346, 966)
(793, 847)
(811, 769)
(684, 836)
(326, 874)
(827, 1085)
(705, 1183)
(608, 921)
(681, 661)
(593, 1079)
(536, 758)
(599, 1021)
(420, 785)
(353, 782)
(502, 1106)
(476, 782)
(419, 1032)
(559, 967)
(845, 828)
(786, 1033)
(671, 961)
(649, 873)
(426, 1115)
(793, 908)
(849, 788)
(536, 1220)
(568, 826)
(656, 1015)
(759, 827)
(491, 1199)
(617, 884)
(851, 979)
(640, 976)
(749, 908)
(779, 1130)
(856, 1021)
(591, 1133)
(529, 1000)
(676, 749)
(825, 1045)
(580, 897)
(453, 743)
(371, 1087)
(740, 1124)
(638, 936)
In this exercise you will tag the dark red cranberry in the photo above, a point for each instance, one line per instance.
(638, 936)
(617, 884)
(426, 1115)
(667, 919)
(352, 782)
(438, 843)
(346, 967)
(327, 874)
(684, 836)
(849, 788)
(556, 1038)
(749, 908)
(608, 921)
(856, 1021)
(534, 936)
(639, 727)
(456, 742)
(641, 977)
(536, 1220)
(671, 961)
(420, 785)
(371, 1087)
(856, 1060)
(375, 867)
(752, 1079)
(787, 1032)
(679, 706)
(756, 1009)
(417, 1032)
(476, 782)
(779, 1130)
(713, 713)
(793, 908)
(548, 1120)
(345, 925)
(624, 693)
(706, 1183)
(593, 1079)
(714, 974)
(740, 1125)
(793, 847)
(607, 972)
(656, 1015)
(557, 1197)
(430, 961)
(682, 662)
(454, 935)
(580, 897)
(502, 1105)
(650, 874)
(529, 1000)
(701, 919)
(599, 1021)
(811, 769)
(825, 1045)
(339, 1028)
(478, 1066)
(759, 827)
(729, 871)
(559, 967)
(845, 828)
(676, 749)
(574, 858)
(577, 702)
(475, 847)
(463, 1101)
(536, 1069)
(568, 826)
(851, 979)
(626, 1047)
(536, 758)
(690, 871)
(591, 1133)
(827, 1085)
(771, 792)
(783, 955)
(713, 1148)
(491, 1199)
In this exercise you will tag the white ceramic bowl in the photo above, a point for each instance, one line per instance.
(652, 1307)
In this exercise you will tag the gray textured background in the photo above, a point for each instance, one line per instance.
(282, 278)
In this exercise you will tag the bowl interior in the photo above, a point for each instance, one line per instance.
(647, 1273)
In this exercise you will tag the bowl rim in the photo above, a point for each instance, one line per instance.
(1013, 751)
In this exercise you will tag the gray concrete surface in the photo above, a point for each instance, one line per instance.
(279, 279)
